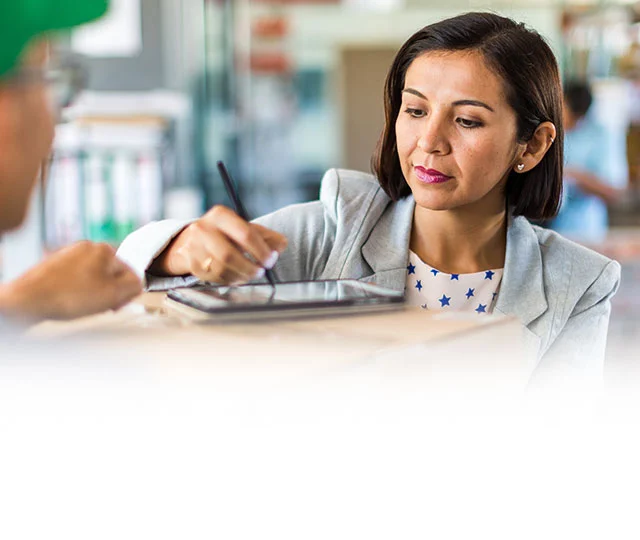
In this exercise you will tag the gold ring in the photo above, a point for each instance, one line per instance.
(206, 265)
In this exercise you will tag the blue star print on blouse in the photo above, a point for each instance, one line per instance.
(432, 289)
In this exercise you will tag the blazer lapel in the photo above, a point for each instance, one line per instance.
(386, 250)
(522, 289)
(522, 293)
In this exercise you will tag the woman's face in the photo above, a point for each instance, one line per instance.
(456, 134)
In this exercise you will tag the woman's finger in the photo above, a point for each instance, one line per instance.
(242, 233)
(218, 259)
(276, 241)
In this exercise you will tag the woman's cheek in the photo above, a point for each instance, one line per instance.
(406, 141)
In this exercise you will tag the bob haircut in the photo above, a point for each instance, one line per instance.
(528, 69)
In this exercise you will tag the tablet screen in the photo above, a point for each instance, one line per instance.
(297, 292)
(285, 296)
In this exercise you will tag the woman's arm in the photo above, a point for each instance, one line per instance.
(219, 247)
(310, 228)
(142, 247)
(579, 349)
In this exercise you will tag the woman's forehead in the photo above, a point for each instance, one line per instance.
(457, 74)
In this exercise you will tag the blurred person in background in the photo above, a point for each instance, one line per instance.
(84, 278)
(587, 191)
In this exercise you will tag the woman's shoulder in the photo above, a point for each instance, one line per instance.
(555, 247)
(345, 184)
(347, 193)
(572, 268)
(346, 199)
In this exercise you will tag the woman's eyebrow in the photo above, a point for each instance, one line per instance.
(472, 102)
(415, 93)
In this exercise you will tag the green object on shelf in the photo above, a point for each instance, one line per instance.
(100, 224)
(123, 229)
(101, 231)
(23, 20)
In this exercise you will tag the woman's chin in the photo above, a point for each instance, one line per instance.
(434, 203)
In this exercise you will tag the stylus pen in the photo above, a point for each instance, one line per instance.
(239, 207)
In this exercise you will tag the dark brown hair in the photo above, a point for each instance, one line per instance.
(529, 71)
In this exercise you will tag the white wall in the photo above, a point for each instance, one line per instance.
(319, 31)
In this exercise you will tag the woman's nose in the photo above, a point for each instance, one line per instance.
(432, 137)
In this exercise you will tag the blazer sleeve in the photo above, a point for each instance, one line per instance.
(579, 349)
(309, 227)
(311, 230)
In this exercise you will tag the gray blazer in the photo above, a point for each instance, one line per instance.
(560, 291)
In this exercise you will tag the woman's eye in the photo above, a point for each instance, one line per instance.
(466, 123)
(415, 113)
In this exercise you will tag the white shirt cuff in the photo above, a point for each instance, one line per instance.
(141, 248)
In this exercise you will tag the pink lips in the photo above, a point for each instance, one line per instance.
(430, 176)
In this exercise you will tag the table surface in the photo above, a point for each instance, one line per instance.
(153, 327)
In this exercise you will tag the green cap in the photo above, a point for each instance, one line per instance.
(22, 20)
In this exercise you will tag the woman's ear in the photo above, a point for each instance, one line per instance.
(536, 148)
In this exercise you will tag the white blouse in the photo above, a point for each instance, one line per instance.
(431, 289)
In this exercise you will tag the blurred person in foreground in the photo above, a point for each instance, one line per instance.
(583, 214)
(82, 279)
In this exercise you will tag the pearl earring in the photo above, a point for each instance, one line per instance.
(520, 167)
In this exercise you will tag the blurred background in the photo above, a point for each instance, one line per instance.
(281, 91)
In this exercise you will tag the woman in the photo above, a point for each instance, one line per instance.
(471, 148)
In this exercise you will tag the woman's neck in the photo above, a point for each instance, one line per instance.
(459, 242)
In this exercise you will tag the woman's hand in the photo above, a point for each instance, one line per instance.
(221, 247)
(82, 279)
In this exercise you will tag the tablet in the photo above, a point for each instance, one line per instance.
(288, 299)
